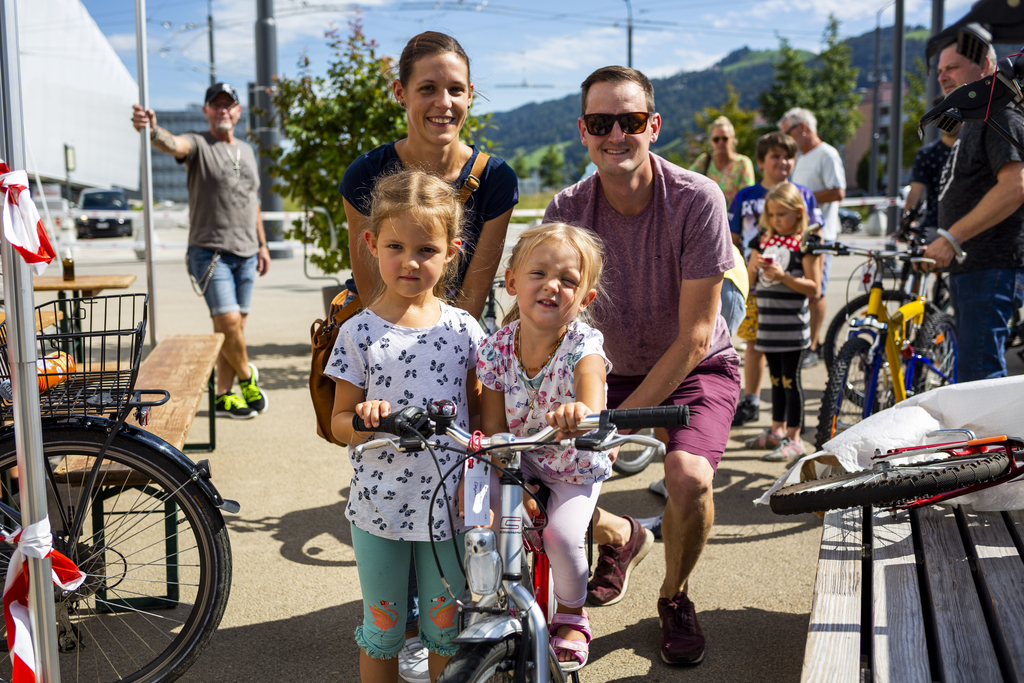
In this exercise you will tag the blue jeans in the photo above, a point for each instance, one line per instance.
(229, 286)
(734, 306)
(984, 301)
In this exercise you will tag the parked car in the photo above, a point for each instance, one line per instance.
(850, 220)
(103, 200)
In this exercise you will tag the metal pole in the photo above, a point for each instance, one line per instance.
(147, 163)
(629, 35)
(21, 351)
(896, 115)
(266, 122)
(932, 89)
(876, 110)
(209, 25)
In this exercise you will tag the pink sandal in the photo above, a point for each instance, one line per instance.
(581, 651)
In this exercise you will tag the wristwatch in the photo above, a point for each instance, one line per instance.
(262, 244)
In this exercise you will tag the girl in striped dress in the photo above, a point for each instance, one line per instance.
(785, 278)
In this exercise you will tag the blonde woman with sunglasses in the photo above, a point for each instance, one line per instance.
(730, 169)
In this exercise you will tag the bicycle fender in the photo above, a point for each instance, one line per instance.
(490, 630)
(198, 475)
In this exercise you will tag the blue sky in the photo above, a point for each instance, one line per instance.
(554, 44)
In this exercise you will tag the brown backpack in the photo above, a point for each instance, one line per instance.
(323, 333)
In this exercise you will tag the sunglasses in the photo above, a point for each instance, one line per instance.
(789, 131)
(720, 139)
(632, 123)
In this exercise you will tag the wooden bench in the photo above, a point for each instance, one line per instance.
(936, 594)
(184, 365)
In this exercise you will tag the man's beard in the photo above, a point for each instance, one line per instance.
(224, 126)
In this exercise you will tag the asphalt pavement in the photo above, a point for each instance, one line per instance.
(295, 598)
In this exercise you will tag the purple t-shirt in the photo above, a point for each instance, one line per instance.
(682, 234)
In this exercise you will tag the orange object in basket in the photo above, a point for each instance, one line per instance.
(54, 369)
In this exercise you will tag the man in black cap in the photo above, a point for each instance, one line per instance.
(226, 242)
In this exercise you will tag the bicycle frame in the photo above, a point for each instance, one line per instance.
(959, 449)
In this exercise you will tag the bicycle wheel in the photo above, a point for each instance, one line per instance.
(154, 549)
(852, 374)
(888, 485)
(493, 663)
(839, 329)
(936, 341)
(635, 458)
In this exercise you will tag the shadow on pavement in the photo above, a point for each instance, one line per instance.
(742, 645)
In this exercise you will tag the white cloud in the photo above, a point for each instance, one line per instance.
(122, 42)
(571, 52)
(684, 60)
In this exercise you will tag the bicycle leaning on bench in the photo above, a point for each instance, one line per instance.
(878, 367)
(504, 635)
(140, 519)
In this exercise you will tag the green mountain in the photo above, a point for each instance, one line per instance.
(683, 95)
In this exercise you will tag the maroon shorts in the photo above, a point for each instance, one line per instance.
(711, 390)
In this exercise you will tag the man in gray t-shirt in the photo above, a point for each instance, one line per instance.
(227, 246)
(667, 245)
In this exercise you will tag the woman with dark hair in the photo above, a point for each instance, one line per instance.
(434, 88)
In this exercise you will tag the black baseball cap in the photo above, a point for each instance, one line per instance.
(218, 88)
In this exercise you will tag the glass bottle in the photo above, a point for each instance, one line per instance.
(68, 265)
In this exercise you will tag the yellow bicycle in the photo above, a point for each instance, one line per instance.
(878, 366)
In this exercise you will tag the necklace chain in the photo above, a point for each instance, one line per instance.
(519, 353)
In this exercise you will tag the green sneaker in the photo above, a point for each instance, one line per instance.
(254, 397)
(234, 406)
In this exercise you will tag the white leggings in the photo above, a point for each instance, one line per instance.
(569, 511)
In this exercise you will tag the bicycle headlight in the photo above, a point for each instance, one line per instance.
(483, 563)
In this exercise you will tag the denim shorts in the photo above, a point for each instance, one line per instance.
(734, 306)
(826, 268)
(230, 285)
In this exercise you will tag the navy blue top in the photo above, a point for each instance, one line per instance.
(498, 192)
(928, 164)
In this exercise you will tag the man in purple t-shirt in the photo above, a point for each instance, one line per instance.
(667, 244)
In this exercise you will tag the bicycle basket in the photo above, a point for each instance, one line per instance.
(104, 336)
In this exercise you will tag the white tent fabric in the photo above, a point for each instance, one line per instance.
(989, 408)
(76, 92)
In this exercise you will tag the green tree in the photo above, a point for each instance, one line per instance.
(914, 108)
(328, 122)
(519, 166)
(742, 120)
(833, 85)
(551, 167)
(828, 88)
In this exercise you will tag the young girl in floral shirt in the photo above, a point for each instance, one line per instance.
(547, 367)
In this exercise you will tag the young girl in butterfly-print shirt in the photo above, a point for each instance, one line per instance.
(785, 277)
(547, 367)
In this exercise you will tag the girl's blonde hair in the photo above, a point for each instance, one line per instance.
(724, 122)
(586, 244)
(788, 196)
(428, 199)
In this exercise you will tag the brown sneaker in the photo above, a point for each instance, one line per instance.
(682, 641)
(611, 577)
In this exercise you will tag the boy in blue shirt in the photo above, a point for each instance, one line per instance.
(776, 155)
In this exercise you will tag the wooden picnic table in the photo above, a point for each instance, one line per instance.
(87, 285)
(936, 594)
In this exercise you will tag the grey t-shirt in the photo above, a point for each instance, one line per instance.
(969, 173)
(223, 194)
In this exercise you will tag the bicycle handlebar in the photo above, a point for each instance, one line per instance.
(413, 421)
(840, 249)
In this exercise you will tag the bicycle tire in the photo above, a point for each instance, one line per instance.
(492, 663)
(897, 484)
(842, 404)
(854, 308)
(155, 549)
(634, 458)
(937, 341)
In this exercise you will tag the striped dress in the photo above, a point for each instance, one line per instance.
(783, 316)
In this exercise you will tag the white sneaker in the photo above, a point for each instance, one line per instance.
(659, 488)
(412, 662)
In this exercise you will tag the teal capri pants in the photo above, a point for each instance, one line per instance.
(384, 577)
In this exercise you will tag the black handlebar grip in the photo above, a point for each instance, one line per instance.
(387, 424)
(644, 418)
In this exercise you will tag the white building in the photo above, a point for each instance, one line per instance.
(75, 91)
